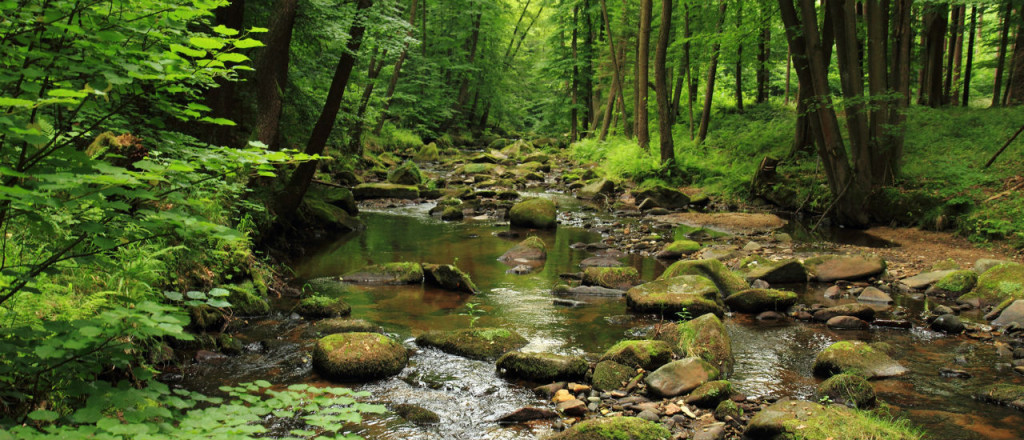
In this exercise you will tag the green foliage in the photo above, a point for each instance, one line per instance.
(473, 311)
(620, 158)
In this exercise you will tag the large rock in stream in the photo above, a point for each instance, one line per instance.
(388, 273)
(829, 268)
(856, 357)
(536, 213)
(646, 354)
(358, 356)
(727, 282)
(776, 272)
(531, 251)
(620, 278)
(760, 300)
(663, 197)
(705, 337)
(448, 277)
(1002, 282)
(614, 428)
(691, 293)
(405, 174)
(474, 343)
(790, 418)
(366, 191)
(680, 377)
(542, 367)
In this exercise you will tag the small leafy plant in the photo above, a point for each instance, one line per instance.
(474, 311)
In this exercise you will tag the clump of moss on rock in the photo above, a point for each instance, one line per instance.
(317, 307)
(849, 389)
(728, 408)
(388, 273)
(956, 283)
(710, 394)
(788, 418)
(530, 249)
(610, 375)
(245, 300)
(705, 337)
(611, 277)
(331, 326)
(727, 282)
(997, 284)
(325, 286)
(448, 277)
(416, 414)
(646, 354)
(536, 213)
(474, 343)
(856, 357)
(614, 428)
(760, 300)
(358, 356)
(690, 293)
(542, 367)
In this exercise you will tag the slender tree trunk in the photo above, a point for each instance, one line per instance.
(763, 55)
(970, 57)
(397, 71)
(789, 67)
(1015, 84)
(643, 135)
(956, 54)
(661, 84)
(617, 81)
(709, 90)
(739, 59)
(588, 68)
(902, 35)
(355, 141)
(574, 93)
(272, 72)
(934, 34)
(221, 99)
(291, 196)
(474, 38)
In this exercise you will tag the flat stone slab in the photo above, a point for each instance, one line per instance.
(924, 279)
(1014, 313)
(829, 268)
(737, 223)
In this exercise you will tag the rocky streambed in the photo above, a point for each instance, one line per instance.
(623, 310)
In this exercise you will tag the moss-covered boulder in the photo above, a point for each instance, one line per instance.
(678, 248)
(789, 418)
(1003, 394)
(849, 389)
(710, 394)
(760, 300)
(776, 272)
(245, 300)
(595, 189)
(705, 337)
(317, 211)
(690, 294)
(366, 191)
(1002, 282)
(477, 168)
(662, 196)
(621, 278)
(416, 414)
(205, 318)
(448, 277)
(318, 307)
(856, 357)
(680, 377)
(726, 281)
(325, 286)
(538, 213)
(955, 283)
(542, 367)
(428, 153)
(474, 343)
(829, 268)
(861, 311)
(358, 356)
(614, 428)
(646, 354)
(611, 375)
(452, 214)
(531, 250)
(340, 197)
(331, 326)
(728, 408)
(388, 273)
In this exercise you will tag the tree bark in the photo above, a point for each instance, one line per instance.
(789, 67)
(616, 72)
(643, 135)
(661, 84)
(474, 38)
(709, 90)
(763, 55)
(588, 68)
(851, 78)
(934, 35)
(1015, 84)
(970, 57)
(355, 141)
(574, 93)
(1004, 41)
(221, 99)
(899, 81)
(291, 196)
(958, 54)
(739, 60)
(393, 83)
(272, 72)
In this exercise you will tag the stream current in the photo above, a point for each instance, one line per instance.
(772, 359)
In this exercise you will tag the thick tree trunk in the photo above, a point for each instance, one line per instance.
(958, 54)
(291, 196)
(763, 55)
(643, 135)
(272, 72)
(709, 90)
(1004, 40)
(851, 77)
(661, 84)
(221, 99)
(1015, 84)
(934, 34)
(970, 57)
(397, 71)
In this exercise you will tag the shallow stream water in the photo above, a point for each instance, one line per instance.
(772, 359)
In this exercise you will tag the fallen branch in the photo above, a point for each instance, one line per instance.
(1007, 144)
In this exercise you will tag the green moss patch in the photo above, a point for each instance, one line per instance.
(727, 282)
(997, 284)
(358, 356)
(802, 420)
(245, 300)
(474, 343)
(646, 354)
(542, 367)
(389, 273)
(705, 337)
(848, 389)
(611, 277)
(856, 357)
(710, 394)
(536, 213)
(316, 307)
(691, 294)
(614, 428)
(611, 375)
(760, 300)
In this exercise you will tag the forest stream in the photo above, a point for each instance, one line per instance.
(773, 359)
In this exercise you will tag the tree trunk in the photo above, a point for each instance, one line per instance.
(844, 18)
(616, 72)
(574, 93)
(291, 196)
(763, 55)
(1004, 41)
(272, 72)
(899, 80)
(739, 59)
(789, 67)
(970, 57)
(643, 135)
(661, 84)
(355, 141)
(684, 65)
(1015, 86)
(934, 33)
(958, 54)
(397, 71)
(588, 68)
(709, 90)
(221, 99)
(474, 37)
(954, 47)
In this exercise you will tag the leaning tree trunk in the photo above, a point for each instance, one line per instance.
(661, 84)
(709, 91)
(958, 54)
(355, 141)
(393, 83)
(291, 196)
(616, 75)
(272, 72)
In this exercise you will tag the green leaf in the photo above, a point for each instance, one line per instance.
(219, 292)
(218, 121)
(248, 43)
(232, 57)
(195, 294)
(173, 296)
(64, 93)
(110, 36)
(43, 415)
(262, 384)
(90, 331)
(219, 303)
(15, 102)
(206, 43)
(187, 51)
(224, 30)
